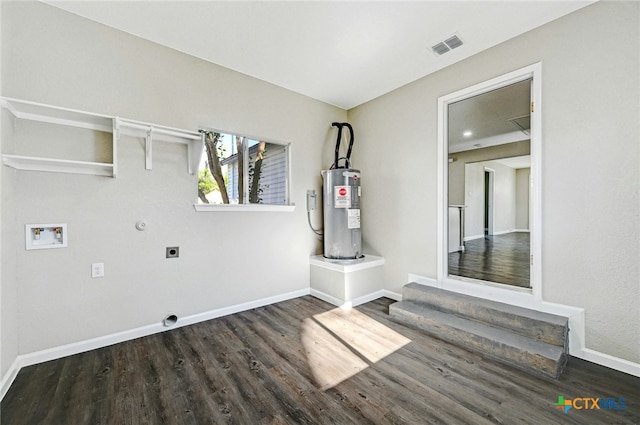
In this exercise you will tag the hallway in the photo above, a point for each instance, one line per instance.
(501, 259)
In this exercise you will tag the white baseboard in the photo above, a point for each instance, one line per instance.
(501, 232)
(609, 361)
(393, 295)
(356, 301)
(326, 297)
(53, 353)
(523, 299)
(8, 378)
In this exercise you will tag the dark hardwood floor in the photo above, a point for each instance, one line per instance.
(303, 361)
(502, 259)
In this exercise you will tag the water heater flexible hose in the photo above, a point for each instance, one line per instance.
(337, 157)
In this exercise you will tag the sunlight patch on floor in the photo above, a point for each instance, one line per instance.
(340, 343)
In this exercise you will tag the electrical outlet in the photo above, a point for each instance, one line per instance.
(97, 270)
(173, 252)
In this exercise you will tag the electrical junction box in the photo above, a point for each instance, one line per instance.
(45, 236)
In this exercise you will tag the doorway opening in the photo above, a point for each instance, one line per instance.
(481, 182)
(488, 201)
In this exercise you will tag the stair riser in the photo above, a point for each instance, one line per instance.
(549, 333)
(527, 361)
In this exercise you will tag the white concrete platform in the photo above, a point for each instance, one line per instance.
(342, 283)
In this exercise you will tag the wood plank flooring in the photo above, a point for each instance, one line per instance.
(304, 362)
(502, 259)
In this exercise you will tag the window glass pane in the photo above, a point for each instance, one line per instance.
(268, 174)
(215, 179)
(238, 170)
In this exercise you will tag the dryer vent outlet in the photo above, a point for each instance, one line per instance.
(173, 251)
(170, 320)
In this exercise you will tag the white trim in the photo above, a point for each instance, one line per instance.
(374, 296)
(535, 72)
(9, 377)
(50, 165)
(104, 341)
(501, 232)
(243, 207)
(356, 301)
(326, 297)
(393, 295)
(238, 308)
(369, 261)
(535, 190)
(609, 361)
(33, 111)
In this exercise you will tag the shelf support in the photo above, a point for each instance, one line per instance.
(26, 110)
(148, 147)
(114, 149)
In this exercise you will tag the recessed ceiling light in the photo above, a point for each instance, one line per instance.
(467, 133)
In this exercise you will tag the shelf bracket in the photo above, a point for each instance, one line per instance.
(148, 147)
(114, 144)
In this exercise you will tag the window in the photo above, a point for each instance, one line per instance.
(238, 170)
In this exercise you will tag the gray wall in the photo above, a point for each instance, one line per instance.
(53, 57)
(590, 182)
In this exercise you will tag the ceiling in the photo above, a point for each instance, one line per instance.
(494, 118)
(343, 53)
(516, 162)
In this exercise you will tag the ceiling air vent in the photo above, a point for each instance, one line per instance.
(523, 123)
(440, 48)
(447, 45)
(453, 42)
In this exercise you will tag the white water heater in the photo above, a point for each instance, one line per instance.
(341, 195)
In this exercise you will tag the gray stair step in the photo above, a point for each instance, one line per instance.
(544, 327)
(516, 350)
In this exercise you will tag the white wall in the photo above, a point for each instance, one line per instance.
(8, 285)
(590, 164)
(504, 198)
(459, 159)
(53, 57)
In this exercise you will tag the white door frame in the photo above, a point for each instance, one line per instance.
(533, 71)
(489, 199)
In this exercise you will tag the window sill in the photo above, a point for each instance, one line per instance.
(243, 207)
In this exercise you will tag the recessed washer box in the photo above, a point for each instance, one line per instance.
(45, 236)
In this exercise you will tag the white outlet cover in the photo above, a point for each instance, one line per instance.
(97, 270)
